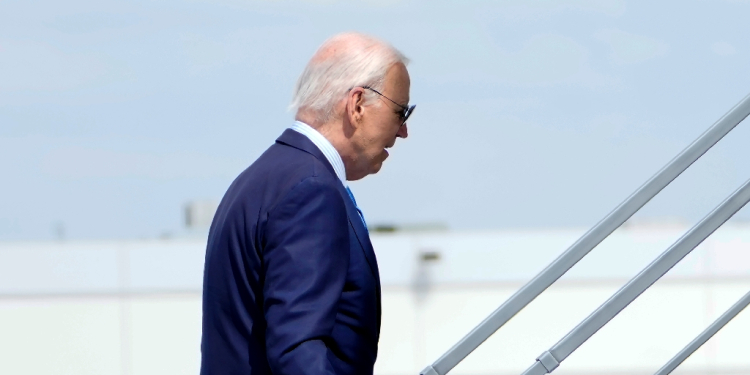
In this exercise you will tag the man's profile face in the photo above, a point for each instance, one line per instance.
(381, 122)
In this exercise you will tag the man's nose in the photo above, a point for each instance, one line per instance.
(402, 131)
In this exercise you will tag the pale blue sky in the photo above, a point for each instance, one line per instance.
(529, 113)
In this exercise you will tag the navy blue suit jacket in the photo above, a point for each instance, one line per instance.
(291, 283)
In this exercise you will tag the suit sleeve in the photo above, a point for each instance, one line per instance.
(306, 259)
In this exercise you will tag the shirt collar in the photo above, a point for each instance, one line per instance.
(324, 146)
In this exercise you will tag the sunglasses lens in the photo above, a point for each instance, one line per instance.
(407, 113)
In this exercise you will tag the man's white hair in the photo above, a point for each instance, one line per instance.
(341, 63)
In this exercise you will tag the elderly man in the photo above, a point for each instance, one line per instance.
(291, 283)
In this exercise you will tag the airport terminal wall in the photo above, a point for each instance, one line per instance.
(134, 306)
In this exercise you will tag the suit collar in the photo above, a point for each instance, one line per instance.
(292, 138)
(325, 147)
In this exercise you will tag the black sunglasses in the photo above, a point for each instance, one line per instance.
(405, 111)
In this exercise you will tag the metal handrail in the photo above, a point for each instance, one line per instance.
(705, 335)
(589, 240)
(549, 360)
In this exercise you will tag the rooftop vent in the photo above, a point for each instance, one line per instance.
(199, 214)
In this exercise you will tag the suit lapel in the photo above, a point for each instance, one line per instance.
(362, 235)
(301, 142)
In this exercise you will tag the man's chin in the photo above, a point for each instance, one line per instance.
(383, 155)
(364, 172)
(376, 168)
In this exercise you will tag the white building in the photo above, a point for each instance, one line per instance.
(134, 307)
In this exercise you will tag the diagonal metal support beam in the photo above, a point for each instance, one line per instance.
(589, 240)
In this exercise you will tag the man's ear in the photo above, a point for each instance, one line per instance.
(355, 105)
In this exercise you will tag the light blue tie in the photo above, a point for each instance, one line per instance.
(357, 207)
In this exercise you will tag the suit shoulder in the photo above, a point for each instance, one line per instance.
(276, 172)
(263, 185)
